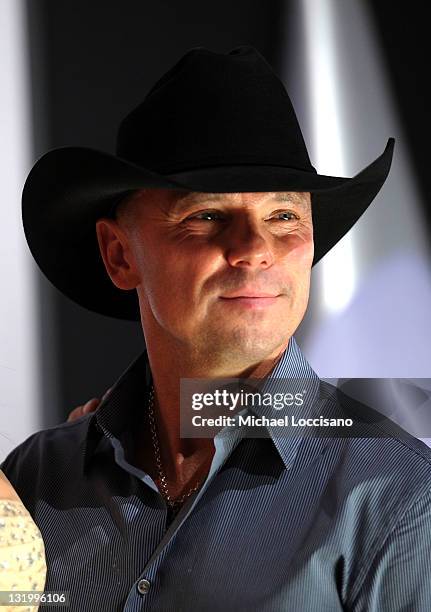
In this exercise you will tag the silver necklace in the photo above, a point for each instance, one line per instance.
(172, 503)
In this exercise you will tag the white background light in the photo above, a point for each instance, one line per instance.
(371, 293)
(19, 393)
(327, 151)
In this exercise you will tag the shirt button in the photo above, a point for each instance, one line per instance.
(144, 586)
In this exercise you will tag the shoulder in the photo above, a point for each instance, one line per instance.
(397, 464)
(378, 485)
(375, 439)
(50, 446)
(391, 461)
(380, 470)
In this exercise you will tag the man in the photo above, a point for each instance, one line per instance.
(206, 226)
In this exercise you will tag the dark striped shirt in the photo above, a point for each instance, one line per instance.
(281, 523)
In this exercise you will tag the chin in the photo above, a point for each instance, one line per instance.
(246, 343)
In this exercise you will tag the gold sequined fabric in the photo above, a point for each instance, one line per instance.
(22, 553)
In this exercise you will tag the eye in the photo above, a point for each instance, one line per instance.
(284, 215)
(207, 215)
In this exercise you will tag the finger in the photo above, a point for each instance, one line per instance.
(76, 413)
(91, 405)
(84, 409)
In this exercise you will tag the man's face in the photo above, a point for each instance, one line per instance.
(223, 274)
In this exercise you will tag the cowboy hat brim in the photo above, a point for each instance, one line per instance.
(69, 189)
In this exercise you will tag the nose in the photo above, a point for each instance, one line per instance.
(247, 245)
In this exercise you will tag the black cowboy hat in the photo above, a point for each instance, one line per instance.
(213, 123)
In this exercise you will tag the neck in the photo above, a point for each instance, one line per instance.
(170, 362)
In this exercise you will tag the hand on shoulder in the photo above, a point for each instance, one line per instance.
(90, 406)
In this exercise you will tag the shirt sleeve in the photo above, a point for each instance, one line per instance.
(21, 469)
(400, 576)
(10, 466)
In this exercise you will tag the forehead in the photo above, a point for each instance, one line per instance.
(192, 197)
(176, 200)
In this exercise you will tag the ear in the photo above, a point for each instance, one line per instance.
(116, 253)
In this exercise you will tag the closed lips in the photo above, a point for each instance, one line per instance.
(249, 295)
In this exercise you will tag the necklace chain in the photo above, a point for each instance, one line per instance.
(173, 503)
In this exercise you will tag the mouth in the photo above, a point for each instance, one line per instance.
(249, 293)
(255, 300)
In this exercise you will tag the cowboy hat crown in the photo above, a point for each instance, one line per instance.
(213, 109)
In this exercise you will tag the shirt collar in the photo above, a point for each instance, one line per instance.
(117, 413)
(292, 373)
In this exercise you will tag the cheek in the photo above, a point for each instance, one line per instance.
(171, 274)
(297, 262)
(298, 251)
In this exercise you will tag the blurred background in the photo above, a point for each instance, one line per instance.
(356, 72)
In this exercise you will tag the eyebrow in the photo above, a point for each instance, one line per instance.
(191, 198)
(195, 197)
